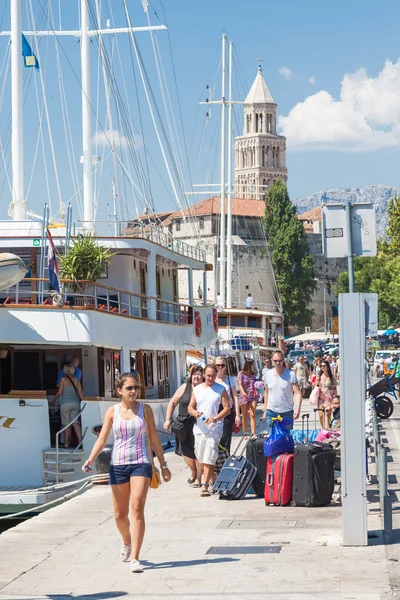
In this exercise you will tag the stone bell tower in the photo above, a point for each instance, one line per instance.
(260, 152)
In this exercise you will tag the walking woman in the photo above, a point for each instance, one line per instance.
(185, 447)
(209, 405)
(248, 396)
(135, 436)
(327, 384)
(229, 384)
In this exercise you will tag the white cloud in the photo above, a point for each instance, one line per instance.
(366, 117)
(286, 73)
(106, 138)
(312, 80)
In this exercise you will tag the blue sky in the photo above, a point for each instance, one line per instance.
(342, 124)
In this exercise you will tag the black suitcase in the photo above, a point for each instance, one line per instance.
(235, 477)
(255, 455)
(314, 475)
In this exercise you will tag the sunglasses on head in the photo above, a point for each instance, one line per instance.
(130, 388)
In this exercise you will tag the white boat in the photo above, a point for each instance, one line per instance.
(12, 270)
(131, 318)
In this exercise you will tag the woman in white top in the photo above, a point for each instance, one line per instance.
(205, 406)
(229, 384)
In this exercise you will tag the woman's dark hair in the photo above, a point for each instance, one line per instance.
(247, 367)
(329, 374)
(121, 379)
(193, 370)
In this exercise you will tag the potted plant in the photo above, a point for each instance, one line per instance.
(4, 348)
(86, 260)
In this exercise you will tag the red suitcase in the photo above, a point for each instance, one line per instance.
(279, 479)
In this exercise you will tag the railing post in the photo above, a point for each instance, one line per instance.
(119, 301)
(96, 304)
(17, 293)
(130, 305)
(384, 497)
(108, 299)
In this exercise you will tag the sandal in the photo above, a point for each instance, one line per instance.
(191, 480)
(196, 485)
(205, 493)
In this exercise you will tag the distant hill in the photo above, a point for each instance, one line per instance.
(378, 194)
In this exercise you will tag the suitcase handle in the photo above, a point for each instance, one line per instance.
(238, 454)
(270, 479)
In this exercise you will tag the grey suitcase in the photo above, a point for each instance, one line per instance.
(236, 476)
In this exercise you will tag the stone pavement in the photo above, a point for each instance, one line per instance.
(71, 551)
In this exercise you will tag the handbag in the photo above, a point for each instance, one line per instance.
(314, 396)
(222, 457)
(180, 426)
(155, 481)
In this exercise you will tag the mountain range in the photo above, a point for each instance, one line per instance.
(378, 194)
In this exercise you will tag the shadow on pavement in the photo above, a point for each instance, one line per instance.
(186, 563)
(378, 538)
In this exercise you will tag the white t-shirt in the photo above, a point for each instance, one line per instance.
(228, 386)
(208, 400)
(280, 393)
(249, 302)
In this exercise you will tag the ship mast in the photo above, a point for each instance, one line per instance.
(18, 207)
(88, 204)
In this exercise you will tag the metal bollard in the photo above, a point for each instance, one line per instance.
(375, 433)
(384, 497)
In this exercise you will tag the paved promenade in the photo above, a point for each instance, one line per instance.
(71, 552)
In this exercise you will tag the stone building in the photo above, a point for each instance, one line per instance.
(260, 151)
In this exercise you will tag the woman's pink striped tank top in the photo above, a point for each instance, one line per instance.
(130, 439)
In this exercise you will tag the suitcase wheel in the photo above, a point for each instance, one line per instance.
(293, 503)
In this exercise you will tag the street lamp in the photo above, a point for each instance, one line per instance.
(324, 284)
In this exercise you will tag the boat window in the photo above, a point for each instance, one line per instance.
(223, 320)
(253, 321)
(237, 321)
(177, 225)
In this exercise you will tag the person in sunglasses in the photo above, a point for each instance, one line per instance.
(135, 437)
(229, 384)
(281, 392)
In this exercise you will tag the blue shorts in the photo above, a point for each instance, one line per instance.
(122, 473)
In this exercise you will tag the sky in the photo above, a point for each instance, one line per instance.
(332, 68)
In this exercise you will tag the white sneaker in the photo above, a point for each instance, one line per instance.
(136, 567)
(125, 552)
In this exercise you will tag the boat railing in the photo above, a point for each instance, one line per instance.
(100, 297)
(79, 446)
(143, 231)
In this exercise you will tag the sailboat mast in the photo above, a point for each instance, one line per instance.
(229, 218)
(88, 212)
(222, 265)
(18, 207)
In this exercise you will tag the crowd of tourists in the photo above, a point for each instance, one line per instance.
(211, 405)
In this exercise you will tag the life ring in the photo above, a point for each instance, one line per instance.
(197, 323)
(215, 319)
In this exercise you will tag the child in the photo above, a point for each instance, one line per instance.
(335, 422)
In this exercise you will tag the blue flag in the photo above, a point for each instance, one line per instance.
(30, 59)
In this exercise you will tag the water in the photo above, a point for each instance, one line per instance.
(9, 524)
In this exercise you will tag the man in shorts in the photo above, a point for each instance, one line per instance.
(281, 392)
(302, 373)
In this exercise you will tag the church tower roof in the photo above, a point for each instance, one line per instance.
(259, 92)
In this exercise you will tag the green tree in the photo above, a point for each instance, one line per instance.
(381, 273)
(290, 255)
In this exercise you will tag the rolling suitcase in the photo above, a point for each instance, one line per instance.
(279, 480)
(255, 455)
(235, 477)
(314, 474)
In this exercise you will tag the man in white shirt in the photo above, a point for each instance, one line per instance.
(281, 391)
(297, 346)
(302, 373)
(249, 301)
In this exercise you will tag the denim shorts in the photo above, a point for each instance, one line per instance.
(122, 473)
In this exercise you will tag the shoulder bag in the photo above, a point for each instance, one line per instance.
(180, 426)
(235, 428)
(155, 473)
